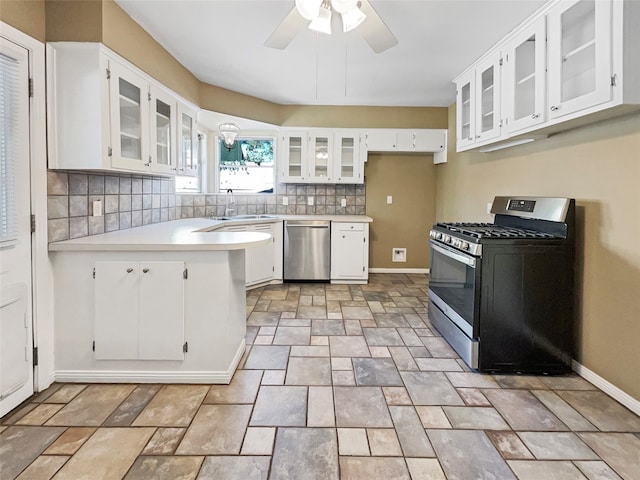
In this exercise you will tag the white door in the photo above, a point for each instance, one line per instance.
(16, 335)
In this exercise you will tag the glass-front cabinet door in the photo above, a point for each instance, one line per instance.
(129, 99)
(524, 80)
(294, 147)
(465, 109)
(187, 141)
(321, 156)
(488, 91)
(579, 55)
(347, 158)
(163, 131)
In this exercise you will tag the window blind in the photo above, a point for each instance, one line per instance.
(10, 114)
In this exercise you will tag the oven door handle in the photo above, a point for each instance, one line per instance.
(455, 255)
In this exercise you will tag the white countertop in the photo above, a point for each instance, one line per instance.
(175, 235)
(188, 234)
(243, 220)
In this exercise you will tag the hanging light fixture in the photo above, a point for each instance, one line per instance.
(319, 12)
(228, 133)
(352, 19)
(309, 9)
(322, 23)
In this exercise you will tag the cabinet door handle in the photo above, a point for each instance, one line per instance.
(129, 270)
(145, 270)
(535, 115)
(554, 108)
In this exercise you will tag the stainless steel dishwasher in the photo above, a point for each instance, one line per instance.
(307, 250)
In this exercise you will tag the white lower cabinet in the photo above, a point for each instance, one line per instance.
(264, 263)
(349, 252)
(260, 260)
(139, 310)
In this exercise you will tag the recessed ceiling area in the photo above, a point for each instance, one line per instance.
(222, 43)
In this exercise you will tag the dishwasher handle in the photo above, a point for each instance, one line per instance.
(307, 225)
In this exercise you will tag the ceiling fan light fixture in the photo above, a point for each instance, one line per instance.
(309, 9)
(352, 19)
(228, 133)
(322, 23)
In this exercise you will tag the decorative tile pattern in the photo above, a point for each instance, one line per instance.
(349, 394)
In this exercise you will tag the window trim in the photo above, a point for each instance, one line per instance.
(273, 136)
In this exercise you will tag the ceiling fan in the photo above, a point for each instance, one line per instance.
(316, 14)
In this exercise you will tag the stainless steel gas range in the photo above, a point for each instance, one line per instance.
(502, 293)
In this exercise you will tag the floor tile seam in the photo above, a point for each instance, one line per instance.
(524, 445)
(41, 455)
(484, 390)
(450, 419)
(518, 433)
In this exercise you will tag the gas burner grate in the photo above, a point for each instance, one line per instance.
(489, 230)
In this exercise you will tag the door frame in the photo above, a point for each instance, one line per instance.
(41, 272)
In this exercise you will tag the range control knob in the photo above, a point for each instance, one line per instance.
(439, 236)
(465, 245)
(432, 234)
(447, 239)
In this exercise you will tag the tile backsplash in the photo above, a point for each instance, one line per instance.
(134, 200)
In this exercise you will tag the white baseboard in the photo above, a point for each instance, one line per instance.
(607, 387)
(156, 376)
(399, 270)
(153, 376)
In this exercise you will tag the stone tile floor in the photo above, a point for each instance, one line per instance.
(338, 381)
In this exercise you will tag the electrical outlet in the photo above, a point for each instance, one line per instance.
(310, 201)
(97, 208)
(285, 200)
(399, 254)
(343, 202)
(389, 199)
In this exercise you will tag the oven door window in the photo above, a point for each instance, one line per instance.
(453, 279)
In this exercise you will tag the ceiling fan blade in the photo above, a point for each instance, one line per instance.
(287, 30)
(374, 30)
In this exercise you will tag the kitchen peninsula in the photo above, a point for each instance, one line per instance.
(160, 303)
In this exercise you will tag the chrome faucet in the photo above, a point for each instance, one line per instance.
(230, 208)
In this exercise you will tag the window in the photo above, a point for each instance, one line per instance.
(248, 166)
(12, 112)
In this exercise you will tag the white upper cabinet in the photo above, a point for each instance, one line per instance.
(163, 131)
(321, 156)
(294, 156)
(524, 78)
(579, 55)
(380, 140)
(488, 93)
(465, 110)
(405, 140)
(105, 114)
(347, 164)
(187, 141)
(129, 99)
(478, 102)
(570, 60)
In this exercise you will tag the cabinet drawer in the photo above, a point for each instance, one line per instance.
(348, 226)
